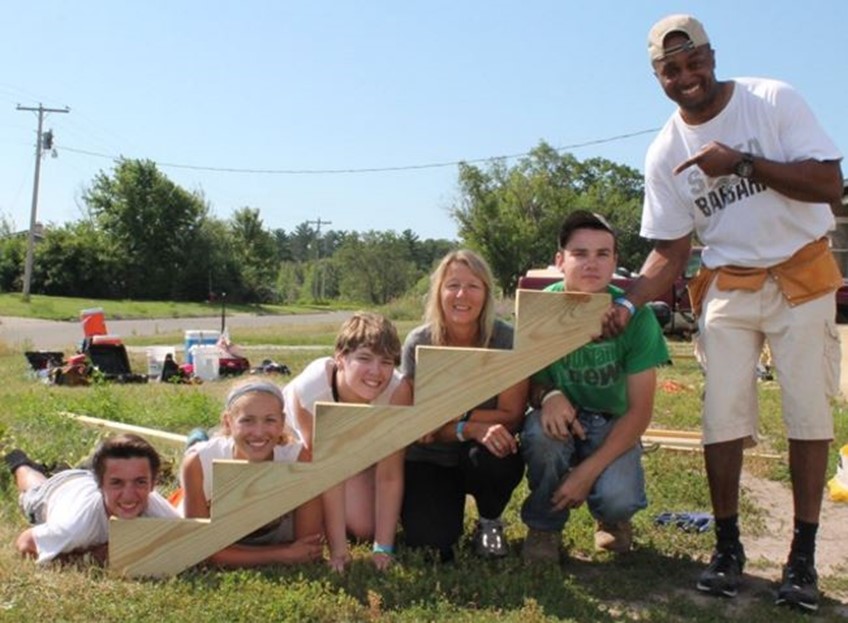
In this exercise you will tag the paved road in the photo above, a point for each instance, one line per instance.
(65, 336)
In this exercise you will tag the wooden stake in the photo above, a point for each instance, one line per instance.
(151, 434)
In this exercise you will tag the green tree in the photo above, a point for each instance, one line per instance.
(431, 251)
(301, 243)
(12, 254)
(427, 252)
(77, 259)
(217, 266)
(374, 267)
(154, 224)
(616, 191)
(254, 249)
(512, 214)
(289, 282)
(283, 244)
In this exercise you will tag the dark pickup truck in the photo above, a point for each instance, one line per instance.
(673, 309)
(842, 303)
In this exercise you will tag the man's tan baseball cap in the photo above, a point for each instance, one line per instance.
(684, 24)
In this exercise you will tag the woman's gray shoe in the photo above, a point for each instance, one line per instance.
(489, 541)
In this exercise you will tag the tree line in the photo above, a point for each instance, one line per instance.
(144, 237)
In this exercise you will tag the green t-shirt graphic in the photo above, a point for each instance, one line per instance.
(594, 377)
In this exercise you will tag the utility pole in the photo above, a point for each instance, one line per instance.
(319, 288)
(43, 142)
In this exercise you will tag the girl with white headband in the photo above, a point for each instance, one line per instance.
(253, 428)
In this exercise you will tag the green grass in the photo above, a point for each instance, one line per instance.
(318, 334)
(68, 308)
(652, 584)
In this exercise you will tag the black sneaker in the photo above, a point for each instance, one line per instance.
(18, 458)
(722, 575)
(799, 586)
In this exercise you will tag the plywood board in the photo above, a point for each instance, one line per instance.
(154, 436)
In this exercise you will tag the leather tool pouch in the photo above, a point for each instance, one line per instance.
(810, 273)
(698, 286)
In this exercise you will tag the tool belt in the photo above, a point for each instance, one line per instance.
(811, 272)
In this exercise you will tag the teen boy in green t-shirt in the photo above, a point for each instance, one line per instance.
(582, 440)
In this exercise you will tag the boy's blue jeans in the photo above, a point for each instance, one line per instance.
(618, 493)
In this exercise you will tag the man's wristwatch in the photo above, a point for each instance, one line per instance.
(745, 167)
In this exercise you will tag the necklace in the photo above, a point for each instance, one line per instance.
(334, 383)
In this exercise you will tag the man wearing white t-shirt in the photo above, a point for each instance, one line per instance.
(70, 511)
(744, 164)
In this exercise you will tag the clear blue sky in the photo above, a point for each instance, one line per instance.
(318, 85)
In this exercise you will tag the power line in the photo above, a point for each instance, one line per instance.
(409, 167)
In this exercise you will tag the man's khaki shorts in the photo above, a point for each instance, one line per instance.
(805, 350)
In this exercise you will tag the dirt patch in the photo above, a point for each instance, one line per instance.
(767, 550)
(770, 548)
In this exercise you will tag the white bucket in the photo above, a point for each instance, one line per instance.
(198, 338)
(206, 360)
(156, 357)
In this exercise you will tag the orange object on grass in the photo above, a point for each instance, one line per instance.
(93, 321)
(672, 387)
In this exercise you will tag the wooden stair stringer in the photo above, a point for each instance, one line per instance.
(548, 325)
(349, 438)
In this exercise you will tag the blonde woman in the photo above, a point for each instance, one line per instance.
(476, 453)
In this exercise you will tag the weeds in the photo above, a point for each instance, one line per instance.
(654, 583)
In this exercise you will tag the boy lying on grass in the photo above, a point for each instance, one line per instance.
(70, 510)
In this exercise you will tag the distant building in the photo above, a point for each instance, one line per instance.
(38, 232)
(839, 237)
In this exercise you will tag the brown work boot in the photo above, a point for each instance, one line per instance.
(541, 546)
(614, 537)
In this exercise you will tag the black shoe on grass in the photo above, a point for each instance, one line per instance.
(723, 574)
(18, 458)
(799, 586)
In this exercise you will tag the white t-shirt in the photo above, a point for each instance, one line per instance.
(222, 448)
(314, 384)
(740, 222)
(76, 516)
